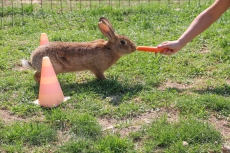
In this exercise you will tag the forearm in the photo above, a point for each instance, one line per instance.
(199, 24)
(204, 20)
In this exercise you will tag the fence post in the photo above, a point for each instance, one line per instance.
(70, 5)
(51, 5)
(61, 6)
(22, 12)
(80, 4)
(12, 3)
(2, 15)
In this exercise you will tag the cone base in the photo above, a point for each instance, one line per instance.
(37, 102)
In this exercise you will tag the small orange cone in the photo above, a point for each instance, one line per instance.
(50, 93)
(43, 39)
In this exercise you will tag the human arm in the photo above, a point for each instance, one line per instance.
(204, 20)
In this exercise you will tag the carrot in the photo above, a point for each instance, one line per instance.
(149, 49)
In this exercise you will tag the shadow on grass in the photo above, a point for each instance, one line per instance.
(111, 89)
(223, 90)
(106, 89)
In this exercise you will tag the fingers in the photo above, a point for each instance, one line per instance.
(170, 47)
(164, 45)
(167, 52)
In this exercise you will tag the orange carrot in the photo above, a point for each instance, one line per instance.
(149, 49)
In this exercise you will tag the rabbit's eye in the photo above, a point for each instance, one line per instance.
(122, 42)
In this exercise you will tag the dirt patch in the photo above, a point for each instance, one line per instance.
(170, 84)
(204, 49)
(8, 117)
(228, 82)
(222, 125)
(197, 83)
(125, 126)
(63, 137)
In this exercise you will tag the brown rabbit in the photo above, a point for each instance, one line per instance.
(96, 56)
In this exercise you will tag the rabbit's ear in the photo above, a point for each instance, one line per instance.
(106, 21)
(107, 30)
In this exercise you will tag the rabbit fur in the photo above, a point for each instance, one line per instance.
(96, 56)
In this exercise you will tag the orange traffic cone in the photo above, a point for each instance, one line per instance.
(50, 93)
(43, 39)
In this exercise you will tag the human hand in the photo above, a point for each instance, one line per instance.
(171, 47)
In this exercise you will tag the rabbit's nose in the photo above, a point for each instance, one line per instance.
(134, 46)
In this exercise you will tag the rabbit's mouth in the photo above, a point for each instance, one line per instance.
(134, 47)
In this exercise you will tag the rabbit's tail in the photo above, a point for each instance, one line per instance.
(26, 64)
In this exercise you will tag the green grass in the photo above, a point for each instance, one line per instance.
(18, 135)
(194, 82)
(170, 137)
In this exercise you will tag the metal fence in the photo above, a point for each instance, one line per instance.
(70, 5)
(12, 8)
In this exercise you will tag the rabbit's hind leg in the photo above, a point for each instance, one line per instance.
(37, 76)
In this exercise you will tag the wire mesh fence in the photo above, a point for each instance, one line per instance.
(70, 5)
(12, 8)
